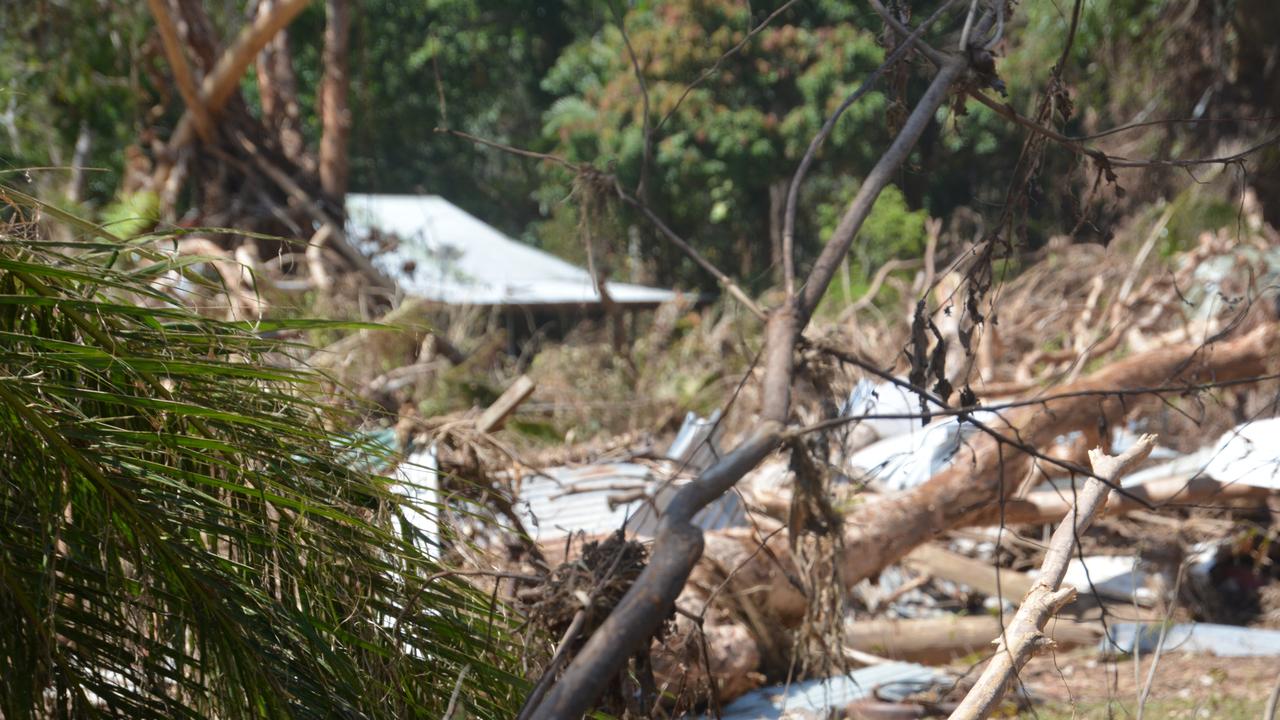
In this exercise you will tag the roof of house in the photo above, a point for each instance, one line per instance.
(442, 253)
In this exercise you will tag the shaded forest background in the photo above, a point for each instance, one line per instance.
(87, 85)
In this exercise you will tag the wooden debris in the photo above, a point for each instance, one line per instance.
(496, 414)
(1024, 637)
(934, 640)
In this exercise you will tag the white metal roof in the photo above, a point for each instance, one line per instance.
(598, 499)
(445, 254)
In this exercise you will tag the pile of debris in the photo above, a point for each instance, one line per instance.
(789, 611)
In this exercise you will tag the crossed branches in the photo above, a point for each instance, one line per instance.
(679, 543)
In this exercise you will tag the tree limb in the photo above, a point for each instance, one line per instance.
(838, 246)
(679, 543)
(223, 80)
(1024, 636)
(793, 191)
(182, 76)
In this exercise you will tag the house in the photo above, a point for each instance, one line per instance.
(438, 252)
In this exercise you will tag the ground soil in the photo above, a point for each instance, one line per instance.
(1083, 684)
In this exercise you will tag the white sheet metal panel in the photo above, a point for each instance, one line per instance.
(419, 482)
(770, 703)
(1248, 454)
(697, 444)
(566, 500)
(447, 255)
(1209, 638)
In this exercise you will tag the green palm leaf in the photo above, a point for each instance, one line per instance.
(182, 533)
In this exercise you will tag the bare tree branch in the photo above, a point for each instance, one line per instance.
(838, 246)
(181, 69)
(646, 156)
(725, 281)
(793, 192)
(679, 543)
(1024, 637)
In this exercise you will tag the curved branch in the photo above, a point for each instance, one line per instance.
(182, 76)
(793, 192)
(225, 76)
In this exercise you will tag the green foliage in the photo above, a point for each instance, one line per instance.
(892, 230)
(69, 67)
(182, 532)
(732, 138)
(132, 214)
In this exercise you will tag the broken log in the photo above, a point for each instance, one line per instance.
(939, 640)
(495, 416)
(1048, 506)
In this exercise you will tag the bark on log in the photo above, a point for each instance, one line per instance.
(934, 640)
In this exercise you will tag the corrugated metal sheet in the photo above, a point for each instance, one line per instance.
(566, 500)
(697, 445)
(598, 499)
(445, 254)
(835, 692)
(1220, 640)
(1247, 454)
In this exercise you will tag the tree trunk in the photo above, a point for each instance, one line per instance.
(777, 211)
(278, 90)
(334, 115)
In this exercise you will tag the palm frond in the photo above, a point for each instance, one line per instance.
(182, 532)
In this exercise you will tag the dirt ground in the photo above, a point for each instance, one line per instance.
(1082, 684)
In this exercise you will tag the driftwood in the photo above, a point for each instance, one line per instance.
(1024, 637)
(934, 640)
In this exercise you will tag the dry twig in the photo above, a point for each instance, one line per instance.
(1024, 637)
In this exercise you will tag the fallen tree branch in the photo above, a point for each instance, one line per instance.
(946, 638)
(679, 543)
(1024, 637)
(884, 529)
(1046, 506)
